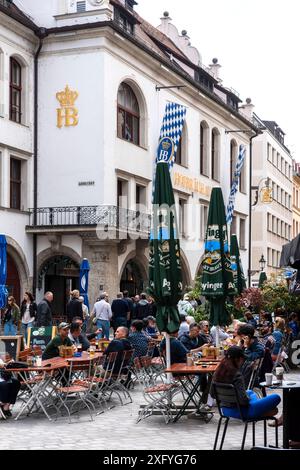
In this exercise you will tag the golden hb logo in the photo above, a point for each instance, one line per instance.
(67, 114)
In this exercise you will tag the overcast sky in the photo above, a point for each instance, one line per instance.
(257, 43)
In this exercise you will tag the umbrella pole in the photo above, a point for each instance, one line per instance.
(168, 357)
(217, 336)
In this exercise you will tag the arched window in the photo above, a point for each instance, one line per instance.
(181, 154)
(128, 115)
(233, 159)
(215, 155)
(204, 154)
(15, 109)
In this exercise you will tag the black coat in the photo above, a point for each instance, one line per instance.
(32, 309)
(74, 309)
(44, 314)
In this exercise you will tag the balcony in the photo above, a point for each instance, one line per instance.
(76, 219)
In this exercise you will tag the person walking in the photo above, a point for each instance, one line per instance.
(130, 304)
(120, 312)
(44, 312)
(143, 308)
(11, 317)
(85, 313)
(103, 314)
(28, 313)
(74, 307)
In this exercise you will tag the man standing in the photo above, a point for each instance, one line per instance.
(143, 308)
(130, 304)
(44, 312)
(120, 311)
(103, 314)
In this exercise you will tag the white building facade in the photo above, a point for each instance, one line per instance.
(272, 222)
(17, 48)
(99, 119)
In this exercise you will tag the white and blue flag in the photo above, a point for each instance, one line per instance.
(235, 183)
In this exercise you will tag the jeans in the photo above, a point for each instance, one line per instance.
(10, 329)
(105, 325)
(24, 329)
(257, 406)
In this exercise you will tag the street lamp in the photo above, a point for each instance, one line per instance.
(262, 263)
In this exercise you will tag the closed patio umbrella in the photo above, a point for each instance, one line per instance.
(3, 271)
(217, 278)
(84, 280)
(165, 279)
(236, 265)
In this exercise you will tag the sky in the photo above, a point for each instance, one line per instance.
(257, 44)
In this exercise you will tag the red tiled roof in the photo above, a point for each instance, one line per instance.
(14, 12)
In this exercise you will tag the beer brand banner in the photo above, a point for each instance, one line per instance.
(171, 131)
(235, 183)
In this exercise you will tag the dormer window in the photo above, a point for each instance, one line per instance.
(124, 21)
(81, 6)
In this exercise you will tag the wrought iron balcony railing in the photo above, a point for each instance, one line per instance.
(104, 216)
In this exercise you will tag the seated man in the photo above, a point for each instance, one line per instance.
(207, 337)
(77, 337)
(84, 338)
(62, 339)
(193, 341)
(253, 349)
(138, 340)
(178, 350)
(119, 344)
(150, 329)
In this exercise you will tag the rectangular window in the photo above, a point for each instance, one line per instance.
(269, 257)
(269, 153)
(81, 6)
(15, 184)
(242, 234)
(273, 224)
(215, 155)
(15, 113)
(140, 195)
(278, 227)
(122, 194)
(203, 221)
(182, 215)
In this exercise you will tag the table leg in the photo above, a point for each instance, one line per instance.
(189, 398)
(285, 430)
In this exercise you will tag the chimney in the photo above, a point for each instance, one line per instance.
(248, 108)
(215, 69)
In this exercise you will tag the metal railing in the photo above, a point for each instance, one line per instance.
(107, 216)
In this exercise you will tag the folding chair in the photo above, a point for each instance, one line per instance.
(226, 393)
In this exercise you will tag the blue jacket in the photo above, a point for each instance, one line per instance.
(278, 335)
(255, 351)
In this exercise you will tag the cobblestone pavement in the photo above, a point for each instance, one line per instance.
(116, 429)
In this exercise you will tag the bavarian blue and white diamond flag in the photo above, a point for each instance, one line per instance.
(235, 183)
(171, 132)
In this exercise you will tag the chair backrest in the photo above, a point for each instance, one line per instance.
(226, 394)
(255, 372)
(23, 355)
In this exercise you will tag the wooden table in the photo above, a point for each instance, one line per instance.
(39, 389)
(185, 374)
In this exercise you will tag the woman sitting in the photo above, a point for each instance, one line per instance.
(9, 389)
(252, 407)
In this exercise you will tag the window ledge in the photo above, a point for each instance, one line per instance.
(15, 211)
(19, 124)
(132, 143)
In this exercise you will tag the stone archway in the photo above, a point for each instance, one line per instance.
(18, 275)
(59, 273)
(186, 272)
(134, 275)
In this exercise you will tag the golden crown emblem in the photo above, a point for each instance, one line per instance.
(67, 97)
(166, 145)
